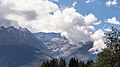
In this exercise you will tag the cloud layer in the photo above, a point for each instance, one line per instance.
(45, 16)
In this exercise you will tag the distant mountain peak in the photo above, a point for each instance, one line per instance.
(2, 28)
(11, 28)
(23, 29)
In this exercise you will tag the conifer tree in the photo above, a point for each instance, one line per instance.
(62, 63)
(73, 62)
(81, 64)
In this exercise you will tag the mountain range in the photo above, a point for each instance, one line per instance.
(61, 46)
(21, 48)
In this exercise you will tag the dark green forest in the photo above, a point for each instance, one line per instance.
(109, 57)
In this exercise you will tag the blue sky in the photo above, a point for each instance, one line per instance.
(97, 7)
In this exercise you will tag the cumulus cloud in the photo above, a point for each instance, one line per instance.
(97, 35)
(45, 16)
(90, 19)
(113, 20)
(98, 46)
(98, 39)
(111, 3)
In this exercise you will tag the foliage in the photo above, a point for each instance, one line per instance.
(110, 57)
(112, 37)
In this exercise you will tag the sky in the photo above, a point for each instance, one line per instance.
(78, 20)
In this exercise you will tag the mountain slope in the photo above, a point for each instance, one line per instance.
(19, 47)
(82, 53)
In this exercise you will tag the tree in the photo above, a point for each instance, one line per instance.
(112, 37)
(89, 62)
(54, 63)
(62, 63)
(110, 57)
(81, 64)
(41, 65)
(73, 62)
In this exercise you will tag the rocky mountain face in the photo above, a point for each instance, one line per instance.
(82, 52)
(61, 46)
(20, 48)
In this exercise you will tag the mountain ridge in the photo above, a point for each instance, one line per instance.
(20, 47)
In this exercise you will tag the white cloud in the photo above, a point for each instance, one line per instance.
(113, 20)
(98, 46)
(107, 29)
(74, 4)
(90, 19)
(88, 1)
(97, 35)
(45, 16)
(111, 3)
(97, 23)
(98, 39)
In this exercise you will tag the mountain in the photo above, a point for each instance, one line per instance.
(20, 48)
(82, 52)
(62, 47)
(54, 42)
